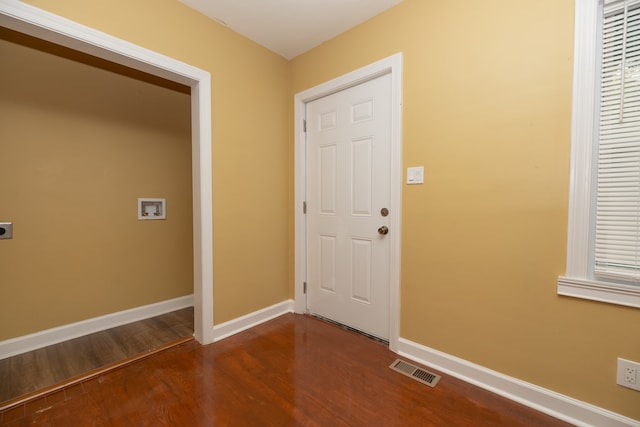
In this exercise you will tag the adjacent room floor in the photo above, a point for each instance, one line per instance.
(45, 367)
(294, 370)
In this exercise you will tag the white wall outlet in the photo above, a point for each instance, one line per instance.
(628, 374)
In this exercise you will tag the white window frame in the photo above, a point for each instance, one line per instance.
(578, 280)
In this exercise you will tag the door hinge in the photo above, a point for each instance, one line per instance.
(304, 125)
(304, 207)
(304, 287)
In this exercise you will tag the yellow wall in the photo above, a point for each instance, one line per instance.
(487, 111)
(250, 137)
(79, 145)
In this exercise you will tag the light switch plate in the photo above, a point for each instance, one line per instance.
(415, 175)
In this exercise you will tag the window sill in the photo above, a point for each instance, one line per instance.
(598, 291)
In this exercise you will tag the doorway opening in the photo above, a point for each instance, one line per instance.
(35, 22)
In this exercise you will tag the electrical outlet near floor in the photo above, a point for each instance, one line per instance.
(628, 374)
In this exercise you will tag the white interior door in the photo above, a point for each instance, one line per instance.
(348, 198)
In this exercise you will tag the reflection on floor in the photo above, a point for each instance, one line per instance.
(45, 367)
(294, 370)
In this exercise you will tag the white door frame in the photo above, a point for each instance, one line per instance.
(36, 22)
(392, 65)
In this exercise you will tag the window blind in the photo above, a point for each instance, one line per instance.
(617, 228)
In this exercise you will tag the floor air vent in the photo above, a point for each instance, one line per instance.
(416, 373)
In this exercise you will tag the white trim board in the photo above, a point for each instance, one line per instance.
(390, 65)
(36, 22)
(14, 346)
(549, 402)
(248, 321)
(578, 280)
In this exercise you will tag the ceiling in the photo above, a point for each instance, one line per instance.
(290, 27)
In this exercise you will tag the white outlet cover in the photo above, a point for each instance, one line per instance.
(626, 379)
(415, 175)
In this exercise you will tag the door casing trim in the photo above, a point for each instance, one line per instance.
(390, 65)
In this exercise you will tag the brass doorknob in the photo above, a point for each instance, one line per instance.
(383, 230)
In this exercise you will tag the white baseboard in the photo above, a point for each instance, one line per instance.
(18, 345)
(549, 402)
(226, 329)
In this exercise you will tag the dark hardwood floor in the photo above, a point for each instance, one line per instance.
(292, 371)
(44, 368)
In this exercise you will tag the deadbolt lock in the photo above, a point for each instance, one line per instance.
(384, 211)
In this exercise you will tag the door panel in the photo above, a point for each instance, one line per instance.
(348, 183)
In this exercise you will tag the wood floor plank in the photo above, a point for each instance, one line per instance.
(292, 371)
(27, 371)
(5, 377)
(102, 349)
(57, 364)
